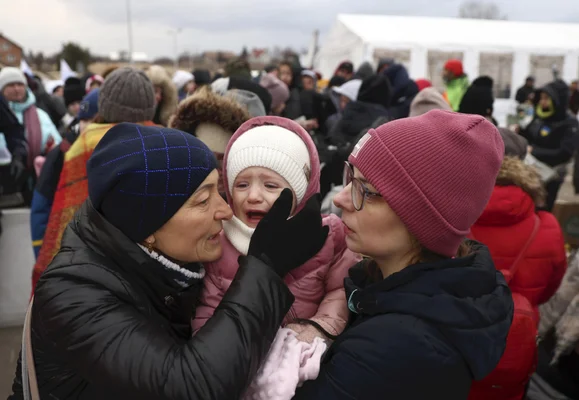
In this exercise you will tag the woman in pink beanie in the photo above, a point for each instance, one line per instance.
(430, 313)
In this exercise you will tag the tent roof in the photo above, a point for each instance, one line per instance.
(497, 35)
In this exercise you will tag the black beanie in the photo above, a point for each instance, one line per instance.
(73, 91)
(139, 177)
(477, 100)
(376, 89)
(202, 77)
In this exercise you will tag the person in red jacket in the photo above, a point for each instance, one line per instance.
(507, 226)
(507, 222)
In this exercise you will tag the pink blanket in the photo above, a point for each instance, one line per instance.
(288, 365)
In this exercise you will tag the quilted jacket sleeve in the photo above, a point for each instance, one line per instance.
(210, 298)
(110, 341)
(333, 312)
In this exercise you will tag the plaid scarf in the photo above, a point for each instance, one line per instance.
(71, 192)
(561, 313)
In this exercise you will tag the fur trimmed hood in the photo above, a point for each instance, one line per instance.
(517, 194)
(160, 77)
(515, 172)
(207, 108)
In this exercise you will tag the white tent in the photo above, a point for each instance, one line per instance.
(356, 37)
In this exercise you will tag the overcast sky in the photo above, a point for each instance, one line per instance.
(220, 24)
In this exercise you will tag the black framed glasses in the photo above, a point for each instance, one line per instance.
(359, 191)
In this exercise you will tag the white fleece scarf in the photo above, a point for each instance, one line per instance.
(238, 233)
(181, 275)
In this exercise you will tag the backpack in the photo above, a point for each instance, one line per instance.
(509, 379)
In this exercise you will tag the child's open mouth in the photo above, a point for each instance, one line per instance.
(253, 217)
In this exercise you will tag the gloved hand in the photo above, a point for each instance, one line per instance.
(17, 172)
(284, 243)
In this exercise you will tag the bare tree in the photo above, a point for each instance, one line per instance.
(480, 10)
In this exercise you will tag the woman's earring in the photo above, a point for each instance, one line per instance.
(149, 246)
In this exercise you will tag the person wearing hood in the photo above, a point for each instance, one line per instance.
(290, 74)
(126, 96)
(374, 97)
(479, 99)
(368, 111)
(427, 100)
(111, 316)
(41, 134)
(166, 97)
(340, 97)
(553, 134)
(429, 312)
(557, 375)
(211, 118)
(266, 157)
(185, 83)
(456, 82)
(51, 168)
(403, 90)
(527, 246)
(222, 86)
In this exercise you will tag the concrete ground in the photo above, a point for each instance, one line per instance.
(10, 338)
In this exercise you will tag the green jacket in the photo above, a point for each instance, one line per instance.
(455, 90)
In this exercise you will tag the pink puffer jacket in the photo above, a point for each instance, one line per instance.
(318, 285)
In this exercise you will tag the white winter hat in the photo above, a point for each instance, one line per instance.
(11, 75)
(275, 148)
(181, 78)
(349, 89)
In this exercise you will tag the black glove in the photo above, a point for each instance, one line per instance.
(17, 172)
(285, 243)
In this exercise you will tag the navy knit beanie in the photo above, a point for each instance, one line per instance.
(139, 177)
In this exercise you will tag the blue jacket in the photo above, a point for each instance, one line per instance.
(45, 189)
(423, 333)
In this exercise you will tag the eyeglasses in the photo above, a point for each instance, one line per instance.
(359, 191)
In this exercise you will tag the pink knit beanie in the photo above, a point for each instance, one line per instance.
(436, 171)
(277, 89)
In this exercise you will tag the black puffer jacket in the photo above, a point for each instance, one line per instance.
(554, 139)
(108, 323)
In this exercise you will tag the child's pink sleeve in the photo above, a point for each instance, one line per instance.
(333, 312)
(210, 298)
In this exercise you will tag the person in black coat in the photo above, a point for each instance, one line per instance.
(12, 176)
(553, 134)
(526, 90)
(430, 313)
(404, 90)
(111, 316)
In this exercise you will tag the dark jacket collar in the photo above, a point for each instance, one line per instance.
(466, 299)
(128, 259)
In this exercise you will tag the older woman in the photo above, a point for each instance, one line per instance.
(431, 313)
(111, 317)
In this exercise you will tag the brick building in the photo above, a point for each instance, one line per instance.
(10, 52)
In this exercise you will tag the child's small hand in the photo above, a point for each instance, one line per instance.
(306, 333)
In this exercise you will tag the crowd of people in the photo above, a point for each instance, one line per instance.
(243, 236)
